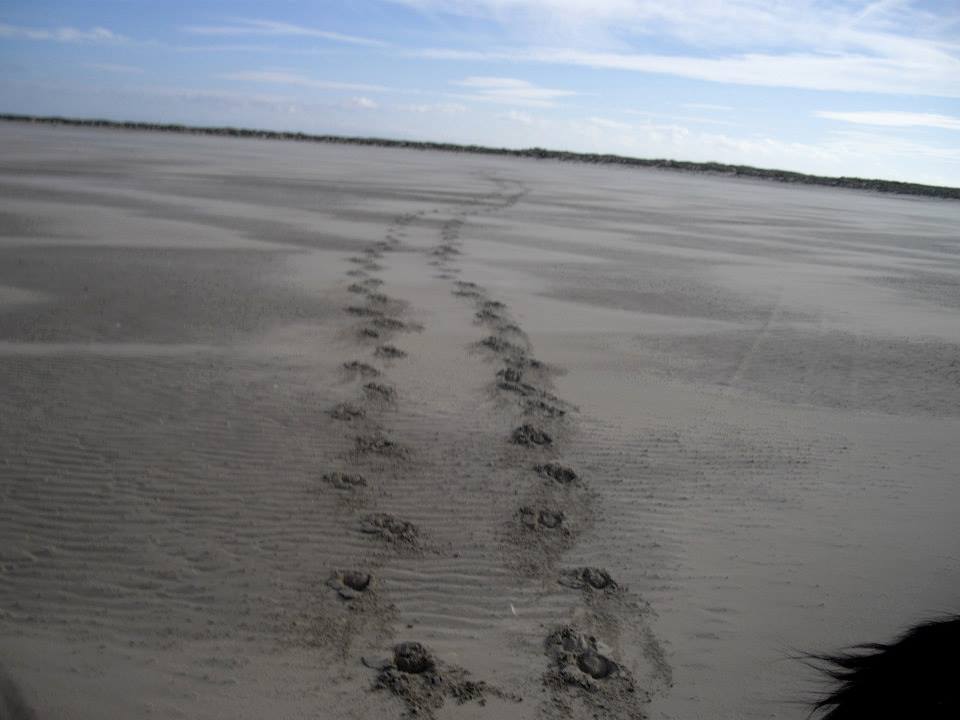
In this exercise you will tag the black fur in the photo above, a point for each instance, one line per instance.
(916, 676)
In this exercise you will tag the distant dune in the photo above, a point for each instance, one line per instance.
(785, 176)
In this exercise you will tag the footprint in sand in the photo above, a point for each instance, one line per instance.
(350, 584)
(587, 578)
(543, 519)
(555, 471)
(361, 368)
(580, 672)
(345, 481)
(347, 412)
(423, 683)
(379, 391)
(389, 351)
(379, 444)
(530, 436)
(392, 530)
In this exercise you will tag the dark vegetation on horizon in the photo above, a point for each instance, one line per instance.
(786, 176)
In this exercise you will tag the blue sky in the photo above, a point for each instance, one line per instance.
(841, 87)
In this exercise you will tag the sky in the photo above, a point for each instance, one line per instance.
(832, 87)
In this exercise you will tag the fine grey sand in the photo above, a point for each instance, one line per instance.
(297, 430)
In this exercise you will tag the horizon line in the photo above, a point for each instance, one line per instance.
(709, 167)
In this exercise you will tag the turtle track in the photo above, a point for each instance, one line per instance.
(584, 674)
(351, 606)
(555, 503)
(361, 478)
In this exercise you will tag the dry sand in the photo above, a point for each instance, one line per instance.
(270, 409)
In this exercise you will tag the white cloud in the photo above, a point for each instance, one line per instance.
(865, 143)
(849, 153)
(61, 34)
(511, 91)
(272, 77)
(894, 119)
(363, 103)
(272, 28)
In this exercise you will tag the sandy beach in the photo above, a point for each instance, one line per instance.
(601, 441)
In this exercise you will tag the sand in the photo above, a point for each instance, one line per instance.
(327, 431)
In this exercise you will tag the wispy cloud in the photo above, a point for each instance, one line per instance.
(114, 68)
(859, 46)
(264, 49)
(707, 106)
(698, 119)
(225, 101)
(609, 124)
(272, 77)
(61, 34)
(812, 24)
(814, 72)
(518, 116)
(894, 119)
(271, 28)
(511, 91)
(433, 108)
